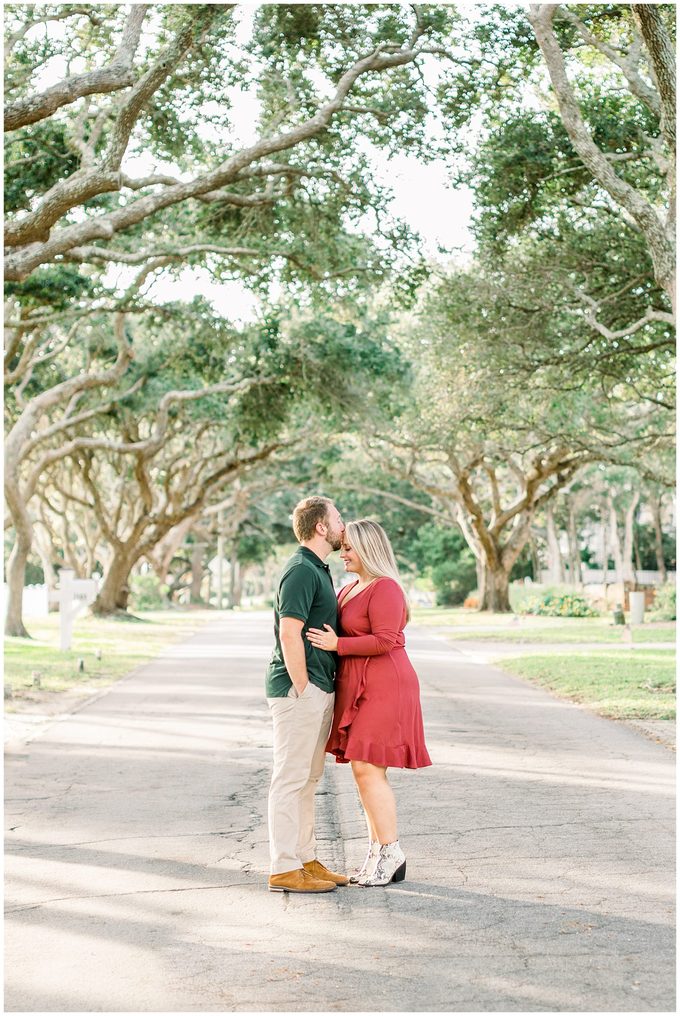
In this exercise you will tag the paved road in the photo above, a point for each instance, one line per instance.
(539, 854)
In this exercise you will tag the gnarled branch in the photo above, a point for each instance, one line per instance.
(116, 75)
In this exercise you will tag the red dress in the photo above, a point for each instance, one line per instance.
(377, 714)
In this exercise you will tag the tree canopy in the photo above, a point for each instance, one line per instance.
(479, 395)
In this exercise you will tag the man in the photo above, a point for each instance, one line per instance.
(300, 695)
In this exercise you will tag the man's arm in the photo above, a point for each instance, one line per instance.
(293, 650)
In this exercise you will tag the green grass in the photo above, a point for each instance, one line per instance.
(568, 635)
(465, 625)
(622, 684)
(455, 616)
(639, 685)
(124, 645)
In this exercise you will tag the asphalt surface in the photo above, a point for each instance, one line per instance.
(540, 853)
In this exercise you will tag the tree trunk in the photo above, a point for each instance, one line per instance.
(655, 505)
(175, 579)
(16, 577)
(535, 563)
(114, 593)
(496, 564)
(604, 530)
(628, 567)
(575, 573)
(617, 549)
(555, 562)
(16, 566)
(495, 591)
(197, 553)
(240, 583)
(45, 550)
(479, 567)
(234, 580)
(636, 552)
(162, 555)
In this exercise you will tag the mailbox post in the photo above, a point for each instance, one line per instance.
(74, 595)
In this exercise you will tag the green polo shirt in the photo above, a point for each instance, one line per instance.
(305, 592)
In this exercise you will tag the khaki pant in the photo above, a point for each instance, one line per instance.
(302, 724)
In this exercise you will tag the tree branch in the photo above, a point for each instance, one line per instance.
(28, 420)
(19, 265)
(649, 20)
(168, 59)
(626, 63)
(17, 36)
(115, 75)
(401, 500)
(88, 182)
(660, 244)
(151, 445)
(73, 421)
(158, 259)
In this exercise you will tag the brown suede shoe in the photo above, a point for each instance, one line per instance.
(318, 870)
(298, 881)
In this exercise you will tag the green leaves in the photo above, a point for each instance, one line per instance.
(526, 172)
(329, 370)
(444, 556)
(54, 288)
(36, 158)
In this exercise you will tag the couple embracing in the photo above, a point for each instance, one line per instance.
(339, 681)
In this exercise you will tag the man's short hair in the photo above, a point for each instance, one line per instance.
(307, 513)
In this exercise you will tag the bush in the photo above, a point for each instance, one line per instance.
(444, 557)
(147, 593)
(559, 605)
(522, 594)
(664, 602)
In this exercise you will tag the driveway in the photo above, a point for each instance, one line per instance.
(540, 853)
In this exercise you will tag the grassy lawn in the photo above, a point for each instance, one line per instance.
(466, 625)
(577, 633)
(124, 645)
(615, 684)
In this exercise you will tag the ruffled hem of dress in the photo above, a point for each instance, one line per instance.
(348, 715)
(400, 756)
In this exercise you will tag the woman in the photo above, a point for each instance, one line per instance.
(377, 721)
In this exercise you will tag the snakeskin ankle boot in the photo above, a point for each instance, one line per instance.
(389, 867)
(369, 862)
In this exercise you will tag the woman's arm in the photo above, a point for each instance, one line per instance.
(385, 615)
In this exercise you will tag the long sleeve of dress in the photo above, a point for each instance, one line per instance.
(386, 617)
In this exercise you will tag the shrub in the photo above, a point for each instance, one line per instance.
(444, 557)
(522, 593)
(559, 605)
(664, 602)
(450, 587)
(147, 593)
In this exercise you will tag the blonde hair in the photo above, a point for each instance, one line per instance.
(372, 545)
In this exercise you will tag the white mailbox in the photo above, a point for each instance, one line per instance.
(74, 596)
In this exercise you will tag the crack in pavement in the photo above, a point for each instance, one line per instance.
(125, 839)
(530, 826)
(131, 892)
